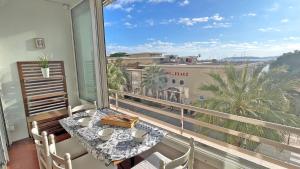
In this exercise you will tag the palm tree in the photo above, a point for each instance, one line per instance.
(154, 79)
(116, 77)
(250, 93)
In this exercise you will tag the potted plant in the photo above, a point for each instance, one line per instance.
(44, 63)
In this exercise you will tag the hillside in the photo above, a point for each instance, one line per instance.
(291, 59)
(249, 58)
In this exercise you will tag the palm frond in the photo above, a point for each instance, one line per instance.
(252, 93)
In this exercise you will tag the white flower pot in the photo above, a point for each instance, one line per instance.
(45, 72)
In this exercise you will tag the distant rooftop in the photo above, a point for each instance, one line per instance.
(144, 55)
(204, 65)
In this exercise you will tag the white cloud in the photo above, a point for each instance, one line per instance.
(284, 20)
(150, 22)
(126, 5)
(115, 6)
(192, 21)
(160, 1)
(269, 29)
(130, 25)
(150, 39)
(217, 17)
(167, 21)
(129, 16)
(275, 6)
(218, 25)
(250, 14)
(211, 48)
(184, 2)
(108, 24)
(129, 9)
(291, 38)
(127, 24)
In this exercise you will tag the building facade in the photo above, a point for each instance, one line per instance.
(183, 82)
(133, 60)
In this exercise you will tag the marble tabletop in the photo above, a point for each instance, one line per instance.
(121, 146)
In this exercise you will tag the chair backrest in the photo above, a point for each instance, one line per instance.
(58, 162)
(81, 108)
(184, 162)
(42, 147)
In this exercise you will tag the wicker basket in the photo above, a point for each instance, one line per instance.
(119, 120)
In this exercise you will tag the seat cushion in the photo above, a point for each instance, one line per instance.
(152, 162)
(71, 146)
(89, 162)
(145, 165)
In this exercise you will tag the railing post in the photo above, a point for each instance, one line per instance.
(95, 104)
(181, 121)
(117, 104)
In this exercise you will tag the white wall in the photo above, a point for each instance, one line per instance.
(20, 21)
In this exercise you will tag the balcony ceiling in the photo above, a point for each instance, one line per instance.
(68, 2)
(3, 2)
(73, 2)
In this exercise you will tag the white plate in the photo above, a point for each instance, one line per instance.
(105, 134)
(91, 112)
(84, 121)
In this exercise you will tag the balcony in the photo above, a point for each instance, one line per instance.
(75, 37)
(184, 126)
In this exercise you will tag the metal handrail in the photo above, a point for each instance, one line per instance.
(182, 118)
(261, 123)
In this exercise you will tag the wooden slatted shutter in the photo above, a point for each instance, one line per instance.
(45, 99)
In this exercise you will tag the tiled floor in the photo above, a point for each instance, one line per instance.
(22, 155)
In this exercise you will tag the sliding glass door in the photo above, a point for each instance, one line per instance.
(89, 46)
(83, 46)
(84, 52)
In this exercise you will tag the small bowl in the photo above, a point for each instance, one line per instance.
(91, 112)
(84, 121)
(139, 135)
(105, 134)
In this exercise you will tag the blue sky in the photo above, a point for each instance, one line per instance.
(212, 28)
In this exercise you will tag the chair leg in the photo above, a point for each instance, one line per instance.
(121, 166)
(131, 161)
(38, 157)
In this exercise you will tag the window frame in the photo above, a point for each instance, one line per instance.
(99, 51)
(173, 81)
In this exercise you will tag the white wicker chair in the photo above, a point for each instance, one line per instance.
(84, 162)
(42, 149)
(159, 161)
(70, 145)
(81, 108)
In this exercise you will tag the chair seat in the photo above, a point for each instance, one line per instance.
(153, 162)
(71, 146)
(89, 162)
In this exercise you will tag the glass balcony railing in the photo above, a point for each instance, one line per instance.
(185, 121)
